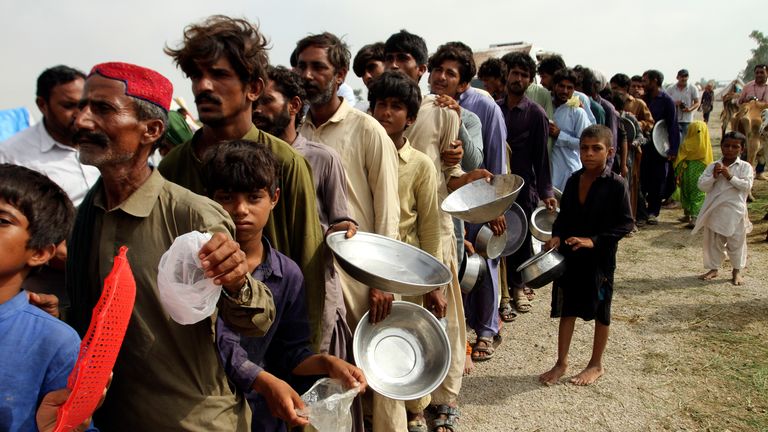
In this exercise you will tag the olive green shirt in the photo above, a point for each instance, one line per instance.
(167, 376)
(293, 227)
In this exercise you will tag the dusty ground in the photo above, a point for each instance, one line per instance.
(683, 354)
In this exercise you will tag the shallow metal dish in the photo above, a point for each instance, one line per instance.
(661, 138)
(541, 223)
(388, 264)
(481, 201)
(517, 229)
(629, 129)
(472, 270)
(405, 356)
(488, 244)
(542, 268)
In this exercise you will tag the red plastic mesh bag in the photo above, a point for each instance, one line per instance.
(99, 348)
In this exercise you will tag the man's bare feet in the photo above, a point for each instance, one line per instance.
(469, 365)
(588, 376)
(552, 376)
(737, 279)
(708, 275)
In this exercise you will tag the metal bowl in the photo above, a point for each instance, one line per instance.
(405, 356)
(388, 264)
(488, 244)
(473, 268)
(542, 268)
(481, 201)
(517, 229)
(629, 129)
(541, 223)
(661, 138)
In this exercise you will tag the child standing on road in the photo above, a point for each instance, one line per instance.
(723, 218)
(594, 215)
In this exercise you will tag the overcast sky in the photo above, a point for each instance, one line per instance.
(611, 36)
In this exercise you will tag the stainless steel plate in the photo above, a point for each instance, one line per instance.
(481, 201)
(388, 264)
(517, 229)
(404, 357)
(661, 138)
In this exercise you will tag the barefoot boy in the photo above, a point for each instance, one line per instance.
(723, 217)
(39, 351)
(242, 177)
(594, 216)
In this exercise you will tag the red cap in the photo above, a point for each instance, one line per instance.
(140, 82)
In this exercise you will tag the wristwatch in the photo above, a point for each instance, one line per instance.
(241, 297)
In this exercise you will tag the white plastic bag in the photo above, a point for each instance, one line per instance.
(186, 294)
(328, 405)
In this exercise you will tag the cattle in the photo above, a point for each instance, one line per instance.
(749, 121)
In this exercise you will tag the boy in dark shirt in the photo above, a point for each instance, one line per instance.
(242, 177)
(594, 216)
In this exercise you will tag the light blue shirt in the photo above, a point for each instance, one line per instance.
(565, 152)
(585, 103)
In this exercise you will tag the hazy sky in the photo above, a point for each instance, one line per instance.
(611, 36)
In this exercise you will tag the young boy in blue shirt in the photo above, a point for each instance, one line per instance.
(594, 215)
(39, 351)
(242, 177)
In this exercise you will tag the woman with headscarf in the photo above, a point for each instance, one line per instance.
(693, 157)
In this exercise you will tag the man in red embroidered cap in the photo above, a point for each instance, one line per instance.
(226, 59)
(167, 376)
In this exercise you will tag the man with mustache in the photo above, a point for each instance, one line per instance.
(226, 59)
(167, 376)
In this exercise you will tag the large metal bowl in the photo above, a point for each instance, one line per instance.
(482, 201)
(388, 264)
(542, 268)
(517, 229)
(541, 223)
(405, 356)
(488, 244)
(660, 136)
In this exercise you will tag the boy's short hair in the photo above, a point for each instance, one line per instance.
(738, 136)
(599, 132)
(551, 63)
(370, 52)
(493, 68)
(407, 42)
(636, 78)
(337, 51)
(46, 206)
(461, 56)
(655, 75)
(240, 166)
(621, 80)
(520, 60)
(396, 84)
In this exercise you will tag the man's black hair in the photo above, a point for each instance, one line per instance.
(404, 41)
(56, 76)
(760, 66)
(337, 50)
(396, 84)
(462, 57)
(551, 63)
(46, 206)
(520, 60)
(738, 136)
(289, 84)
(493, 68)
(636, 78)
(655, 75)
(240, 166)
(565, 74)
(374, 51)
(621, 80)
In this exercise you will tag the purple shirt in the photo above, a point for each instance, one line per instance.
(527, 134)
(663, 108)
(493, 128)
(281, 349)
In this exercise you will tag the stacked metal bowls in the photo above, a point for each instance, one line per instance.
(481, 200)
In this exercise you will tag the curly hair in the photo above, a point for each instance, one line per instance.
(235, 38)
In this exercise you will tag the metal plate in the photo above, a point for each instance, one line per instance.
(405, 356)
(629, 129)
(388, 264)
(517, 229)
(482, 201)
(661, 138)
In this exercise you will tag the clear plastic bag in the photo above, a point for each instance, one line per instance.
(328, 405)
(186, 294)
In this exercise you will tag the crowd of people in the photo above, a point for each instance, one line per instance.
(277, 160)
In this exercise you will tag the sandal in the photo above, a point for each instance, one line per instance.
(490, 345)
(507, 312)
(522, 304)
(447, 418)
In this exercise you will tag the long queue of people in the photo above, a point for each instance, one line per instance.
(280, 161)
